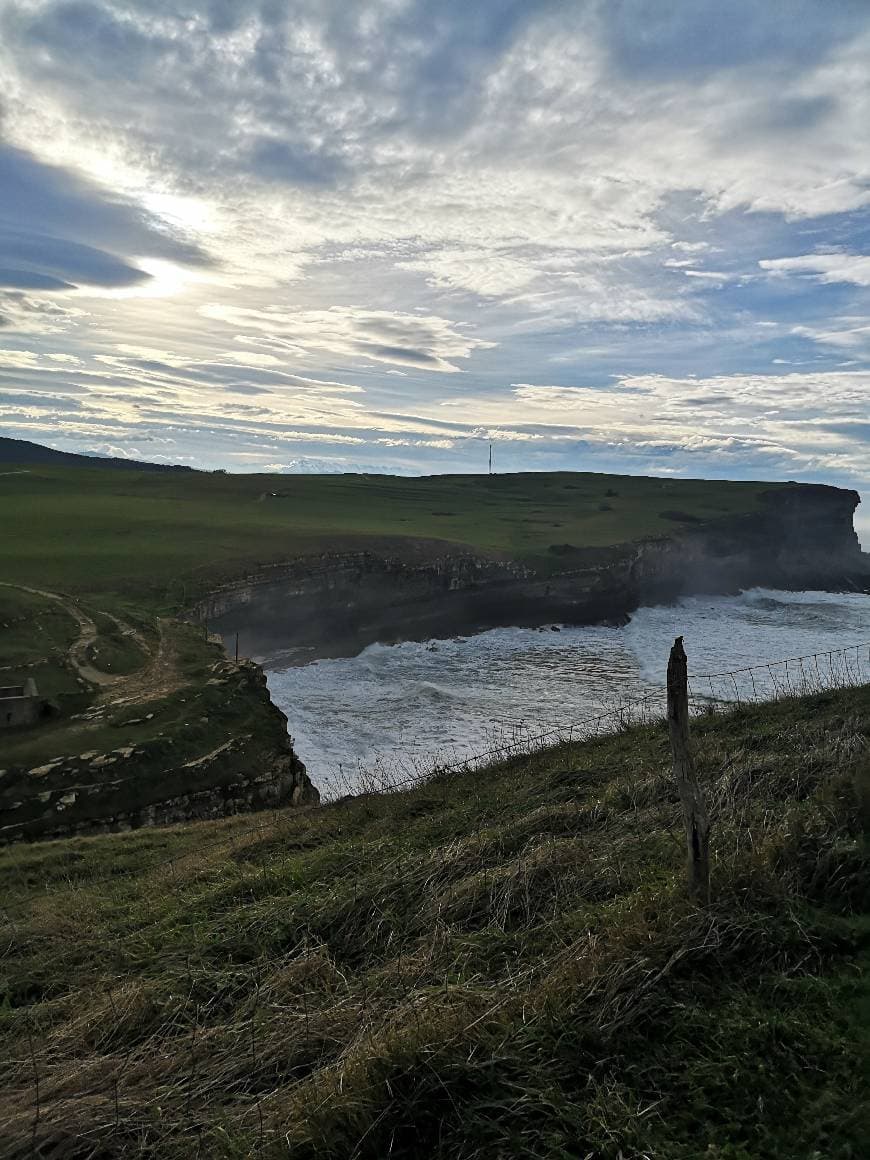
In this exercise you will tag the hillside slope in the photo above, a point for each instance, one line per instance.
(503, 966)
(21, 452)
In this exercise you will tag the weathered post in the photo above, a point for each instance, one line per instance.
(694, 810)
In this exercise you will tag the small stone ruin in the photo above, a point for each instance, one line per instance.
(20, 704)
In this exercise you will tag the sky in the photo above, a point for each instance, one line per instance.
(308, 235)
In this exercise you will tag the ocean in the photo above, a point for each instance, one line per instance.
(397, 710)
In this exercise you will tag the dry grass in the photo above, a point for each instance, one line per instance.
(501, 965)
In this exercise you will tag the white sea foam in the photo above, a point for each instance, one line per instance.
(404, 707)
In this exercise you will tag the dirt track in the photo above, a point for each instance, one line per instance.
(157, 678)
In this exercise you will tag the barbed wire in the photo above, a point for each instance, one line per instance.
(784, 660)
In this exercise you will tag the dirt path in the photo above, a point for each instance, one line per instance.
(87, 635)
(157, 678)
(128, 630)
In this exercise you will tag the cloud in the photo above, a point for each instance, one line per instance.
(335, 465)
(828, 268)
(60, 230)
(35, 315)
(257, 224)
(704, 37)
(426, 342)
(851, 334)
(35, 255)
(763, 419)
(297, 164)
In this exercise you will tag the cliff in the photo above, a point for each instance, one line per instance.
(335, 603)
(155, 781)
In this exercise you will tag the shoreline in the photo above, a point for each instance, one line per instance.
(349, 648)
(336, 603)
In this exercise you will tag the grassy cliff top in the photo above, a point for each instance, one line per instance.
(504, 965)
(165, 537)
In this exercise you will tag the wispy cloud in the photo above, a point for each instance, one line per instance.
(270, 232)
(415, 340)
(829, 268)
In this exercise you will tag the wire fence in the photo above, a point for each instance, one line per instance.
(708, 693)
(133, 1074)
(513, 737)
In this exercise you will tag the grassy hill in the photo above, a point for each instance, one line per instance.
(164, 538)
(17, 452)
(497, 966)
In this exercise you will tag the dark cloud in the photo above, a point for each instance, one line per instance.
(392, 417)
(30, 280)
(97, 36)
(58, 230)
(432, 59)
(40, 401)
(46, 262)
(791, 114)
(58, 202)
(401, 354)
(248, 389)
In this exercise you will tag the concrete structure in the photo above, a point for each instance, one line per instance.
(19, 704)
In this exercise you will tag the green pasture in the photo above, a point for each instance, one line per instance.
(35, 637)
(164, 538)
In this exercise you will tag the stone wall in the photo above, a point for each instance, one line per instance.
(19, 705)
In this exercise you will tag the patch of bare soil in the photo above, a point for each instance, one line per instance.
(157, 679)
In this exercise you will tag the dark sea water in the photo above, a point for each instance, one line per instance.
(402, 708)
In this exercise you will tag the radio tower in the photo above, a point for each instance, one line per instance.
(490, 459)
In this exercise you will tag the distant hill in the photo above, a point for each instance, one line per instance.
(23, 451)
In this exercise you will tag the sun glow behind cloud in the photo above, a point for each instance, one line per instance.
(262, 235)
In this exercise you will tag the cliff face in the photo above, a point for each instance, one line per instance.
(146, 784)
(335, 604)
(802, 538)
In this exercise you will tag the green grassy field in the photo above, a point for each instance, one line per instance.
(497, 966)
(163, 539)
(35, 638)
(70, 734)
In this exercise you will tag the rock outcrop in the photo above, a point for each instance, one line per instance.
(154, 782)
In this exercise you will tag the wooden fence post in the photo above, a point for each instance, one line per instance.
(694, 810)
